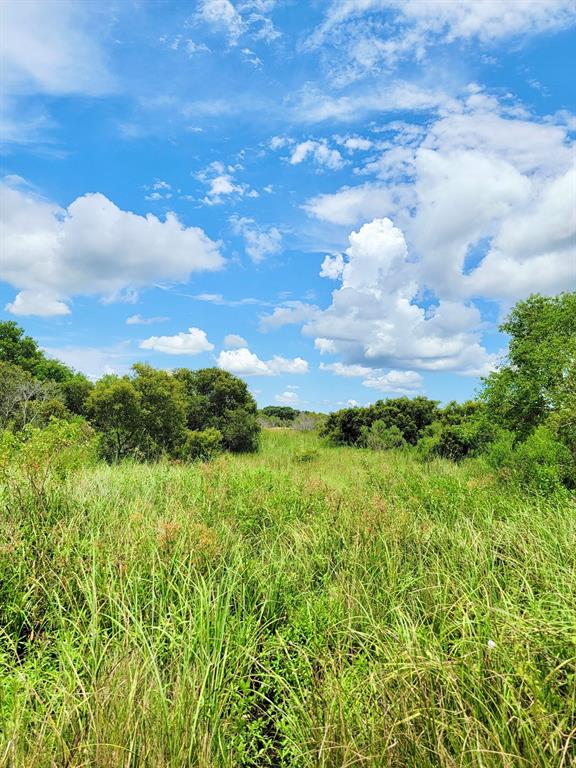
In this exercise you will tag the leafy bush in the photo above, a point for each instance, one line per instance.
(463, 430)
(379, 437)
(410, 416)
(541, 462)
(240, 431)
(202, 445)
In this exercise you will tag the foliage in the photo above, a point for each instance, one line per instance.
(532, 382)
(379, 437)
(240, 430)
(219, 400)
(462, 430)
(280, 412)
(75, 392)
(163, 411)
(25, 400)
(202, 445)
(115, 408)
(410, 416)
(23, 351)
(541, 462)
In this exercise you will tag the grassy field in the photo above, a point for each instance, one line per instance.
(306, 606)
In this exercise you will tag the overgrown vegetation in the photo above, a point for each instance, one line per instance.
(302, 606)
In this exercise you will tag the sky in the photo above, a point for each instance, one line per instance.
(338, 201)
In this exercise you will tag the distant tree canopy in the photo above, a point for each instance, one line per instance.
(218, 400)
(282, 412)
(151, 413)
(410, 416)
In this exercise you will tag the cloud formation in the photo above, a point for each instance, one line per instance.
(243, 362)
(92, 247)
(190, 342)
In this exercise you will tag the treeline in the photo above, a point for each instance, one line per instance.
(274, 416)
(148, 414)
(523, 420)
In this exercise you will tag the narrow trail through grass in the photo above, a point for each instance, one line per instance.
(304, 606)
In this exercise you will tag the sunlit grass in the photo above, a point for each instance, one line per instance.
(305, 606)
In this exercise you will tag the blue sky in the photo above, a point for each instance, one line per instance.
(337, 201)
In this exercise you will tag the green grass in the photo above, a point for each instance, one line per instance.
(305, 606)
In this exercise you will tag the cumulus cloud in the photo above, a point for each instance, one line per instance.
(375, 320)
(290, 313)
(332, 266)
(37, 303)
(190, 342)
(319, 152)
(92, 247)
(233, 341)
(260, 241)
(243, 362)
(400, 382)
(221, 184)
(350, 205)
(288, 397)
(484, 196)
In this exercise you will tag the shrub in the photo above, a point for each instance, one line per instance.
(240, 431)
(202, 445)
(410, 416)
(541, 462)
(379, 437)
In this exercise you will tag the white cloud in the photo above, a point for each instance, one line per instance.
(47, 47)
(234, 341)
(401, 382)
(320, 153)
(314, 106)
(94, 362)
(357, 43)
(139, 320)
(332, 267)
(190, 342)
(235, 21)
(346, 370)
(37, 303)
(221, 184)
(375, 321)
(288, 398)
(290, 313)
(243, 362)
(261, 241)
(484, 196)
(92, 247)
(351, 205)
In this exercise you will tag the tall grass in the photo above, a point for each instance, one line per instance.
(305, 606)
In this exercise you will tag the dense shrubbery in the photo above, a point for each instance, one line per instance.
(147, 415)
(286, 417)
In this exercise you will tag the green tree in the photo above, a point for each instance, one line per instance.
(115, 409)
(538, 375)
(219, 400)
(163, 410)
(75, 392)
(23, 351)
